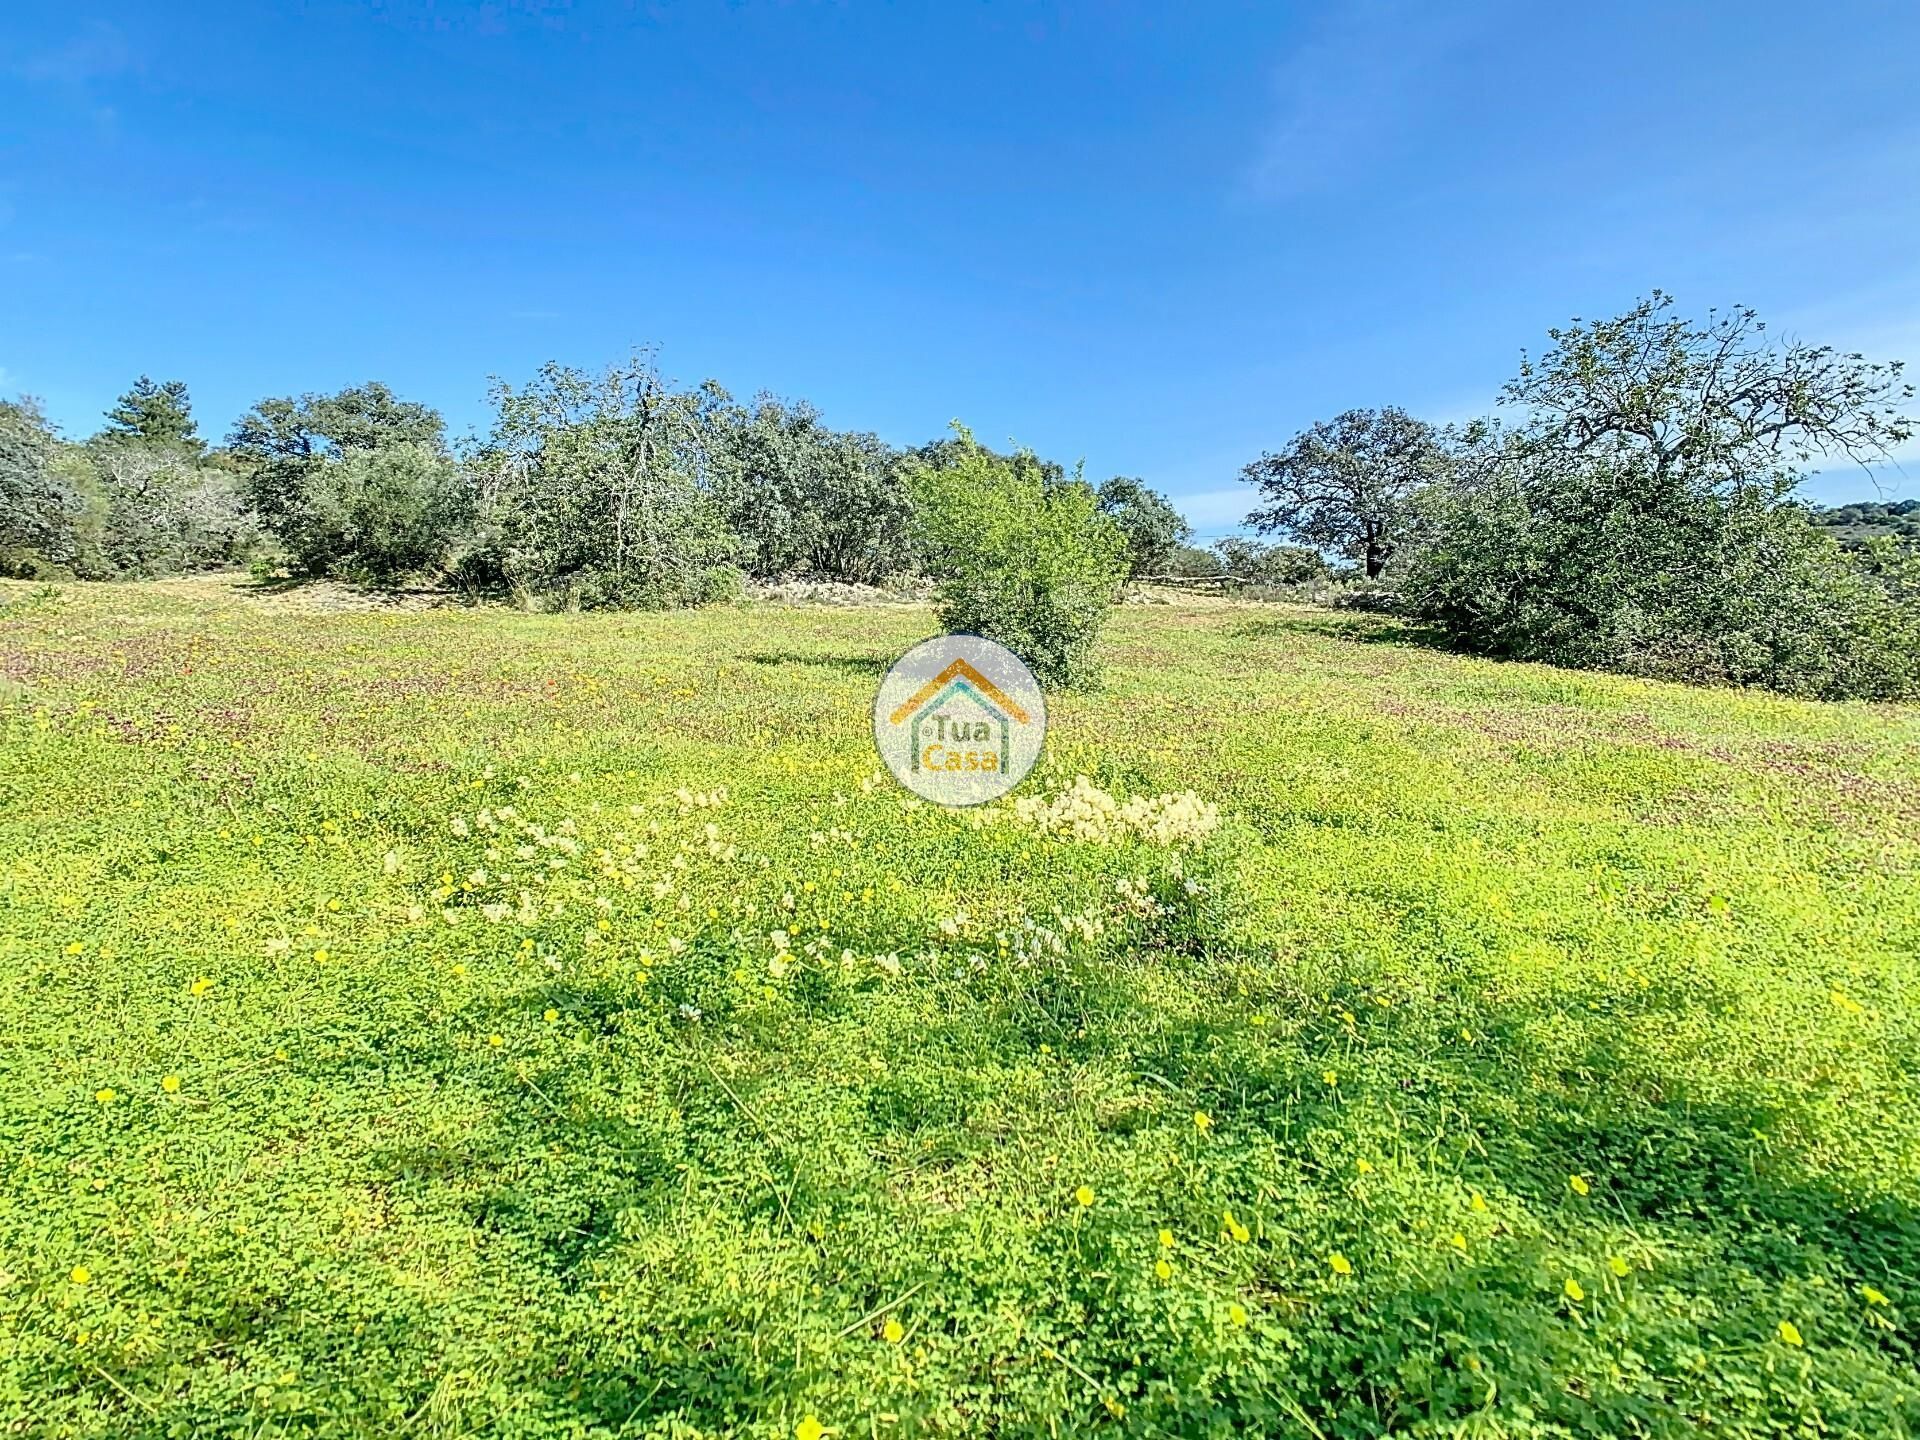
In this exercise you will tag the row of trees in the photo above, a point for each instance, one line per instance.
(609, 489)
(1632, 509)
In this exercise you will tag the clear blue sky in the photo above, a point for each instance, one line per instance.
(1159, 237)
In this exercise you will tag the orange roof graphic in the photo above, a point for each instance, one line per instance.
(980, 682)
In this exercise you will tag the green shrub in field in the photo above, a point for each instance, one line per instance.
(382, 515)
(1032, 564)
(1600, 564)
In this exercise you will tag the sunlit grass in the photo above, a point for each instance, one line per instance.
(1524, 1049)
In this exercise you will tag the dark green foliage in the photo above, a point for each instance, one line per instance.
(1193, 562)
(156, 415)
(287, 444)
(1254, 563)
(383, 515)
(1640, 517)
(1595, 565)
(38, 509)
(807, 500)
(1154, 530)
(1347, 484)
(1865, 520)
(1032, 564)
(599, 492)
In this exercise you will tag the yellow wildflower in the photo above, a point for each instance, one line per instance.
(1365, 1167)
(1572, 1289)
(1790, 1333)
(1872, 1296)
(893, 1332)
(552, 1015)
(106, 1096)
(1577, 1184)
(200, 986)
(1166, 1239)
(170, 1084)
(1201, 1121)
(1237, 1314)
(1341, 1265)
(1163, 1269)
(1618, 1266)
(1084, 1195)
(1234, 1228)
(809, 1429)
(1459, 1242)
(80, 1275)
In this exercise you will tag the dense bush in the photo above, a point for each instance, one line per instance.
(1154, 530)
(37, 509)
(599, 492)
(806, 500)
(385, 514)
(1599, 564)
(1639, 516)
(153, 508)
(1020, 559)
(290, 449)
(1256, 563)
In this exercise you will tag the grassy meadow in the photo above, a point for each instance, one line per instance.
(448, 1022)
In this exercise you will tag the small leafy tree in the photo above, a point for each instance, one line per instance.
(1152, 527)
(388, 513)
(1032, 564)
(1346, 484)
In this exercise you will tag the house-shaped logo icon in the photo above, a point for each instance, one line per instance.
(959, 720)
(957, 717)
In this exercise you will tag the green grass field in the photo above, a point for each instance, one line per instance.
(457, 1023)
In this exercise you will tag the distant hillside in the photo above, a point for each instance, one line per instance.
(1866, 519)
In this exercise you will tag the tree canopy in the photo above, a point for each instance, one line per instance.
(1344, 484)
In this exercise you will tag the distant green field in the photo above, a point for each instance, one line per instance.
(457, 1022)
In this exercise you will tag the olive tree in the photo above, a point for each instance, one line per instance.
(599, 491)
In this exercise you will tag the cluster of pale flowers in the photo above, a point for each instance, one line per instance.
(1083, 811)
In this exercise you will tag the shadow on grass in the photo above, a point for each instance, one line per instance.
(846, 664)
(1358, 626)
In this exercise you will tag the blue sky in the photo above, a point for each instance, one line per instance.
(1156, 237)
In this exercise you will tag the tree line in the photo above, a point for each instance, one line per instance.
(1631, 507)
(615, 488)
